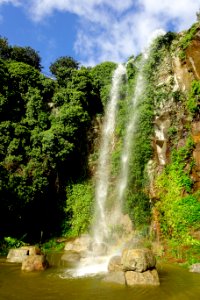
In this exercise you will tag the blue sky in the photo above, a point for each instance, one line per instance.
(91, 31)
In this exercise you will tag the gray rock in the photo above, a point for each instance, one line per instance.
(138, 260)
(34, 263)
(115, 277)
(115, 264)
(149, 277)
(71, 256)
(195, 268)
(80, 244)
(19, 254)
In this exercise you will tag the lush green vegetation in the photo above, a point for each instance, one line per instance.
(186, 40)
(45, 138)
(179, 206)
(193, 100)
(49, 145)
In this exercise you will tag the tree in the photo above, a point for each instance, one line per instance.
(26, 55)
(62, 68)
(5, 49)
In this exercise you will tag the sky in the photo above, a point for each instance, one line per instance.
(91, 31)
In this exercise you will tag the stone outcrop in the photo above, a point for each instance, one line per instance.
(34, 263)
(195, 268)
(80, 244)
(134, 267)
(19, 254)
(138, 260)
(71, 256)
(149, 277)
(115, 264)
(115, 277)
(196, 154)
(30, 257)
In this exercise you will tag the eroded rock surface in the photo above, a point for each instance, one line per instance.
(138, 260)
(34, 263)
(149, 277)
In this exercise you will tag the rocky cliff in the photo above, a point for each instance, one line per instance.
(174, 171)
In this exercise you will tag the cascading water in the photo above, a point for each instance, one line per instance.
(132, 123)
(97, 261)
(101, 225)
(93, 264)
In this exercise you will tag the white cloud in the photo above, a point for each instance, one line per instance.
(14, 2)
(115, 29)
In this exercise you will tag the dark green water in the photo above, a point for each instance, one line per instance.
(176, 283)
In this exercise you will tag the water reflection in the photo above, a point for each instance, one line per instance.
(53, 284)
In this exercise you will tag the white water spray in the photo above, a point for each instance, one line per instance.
(100, 229)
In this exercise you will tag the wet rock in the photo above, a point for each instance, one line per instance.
(195, 268)
(99, 249)
(19, 254)
(149, 277)
(138, 260)
(34, 263)
(116, 277)
(71, 256)
(80, 244)
(115, 264)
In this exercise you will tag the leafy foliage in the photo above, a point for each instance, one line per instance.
(194, 98)
(178, 213)
(79, 207)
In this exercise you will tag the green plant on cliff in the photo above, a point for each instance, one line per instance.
(137, 202)
(186, 40)
(193, 101)
(78, 208)
(179, 209)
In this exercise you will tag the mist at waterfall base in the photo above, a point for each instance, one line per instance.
(102, 245)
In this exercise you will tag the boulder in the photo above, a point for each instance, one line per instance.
(19, 254)
(195, 268)
(149, 277)
(138, 260)
(71, 256)
(80, 244)
(115, 264)
(115, 277)
(34, 263)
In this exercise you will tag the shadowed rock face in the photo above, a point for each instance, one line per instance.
(34, 263)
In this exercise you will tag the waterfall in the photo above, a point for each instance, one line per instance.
(100, 228)
(129, 135)
(132, 122)
(98, 257)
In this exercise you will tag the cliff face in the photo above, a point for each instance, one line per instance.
(176, 141)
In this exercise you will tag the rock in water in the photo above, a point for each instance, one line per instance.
(195, 268)
(115, 264)
(149, 277)
(34, 263)
(138, 260)
(115, 277)
(80, 244)
(19, 254)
